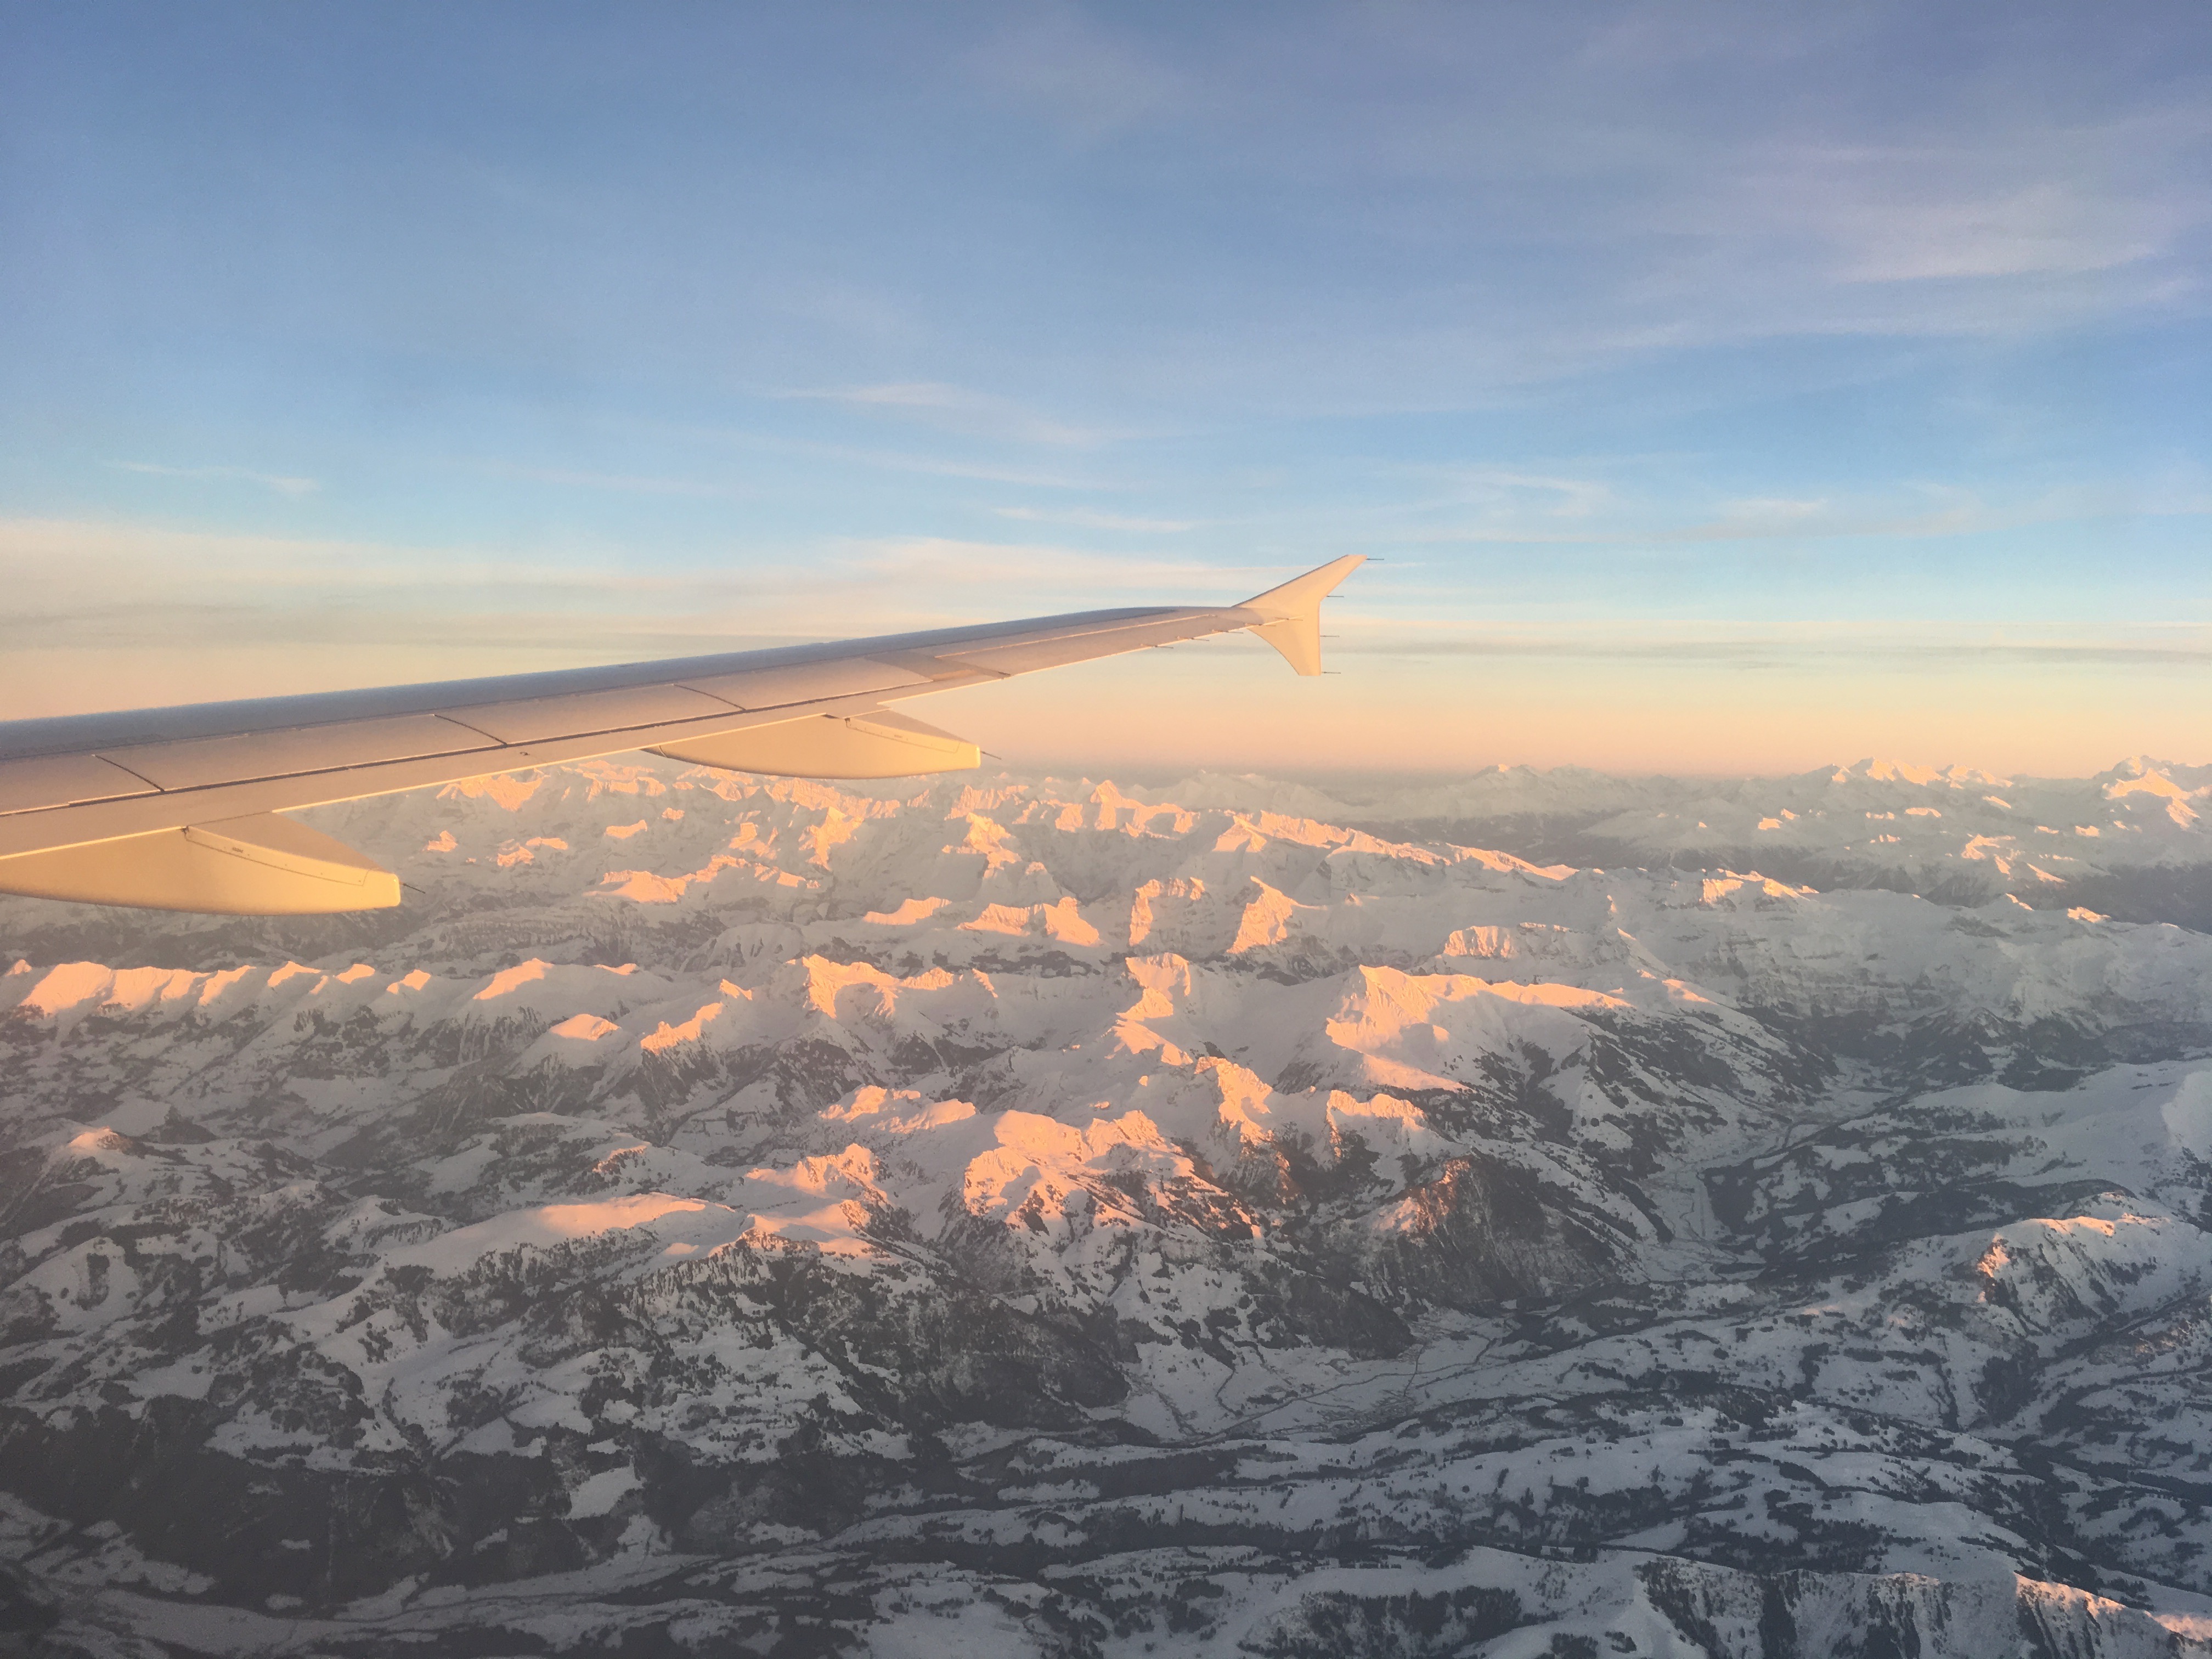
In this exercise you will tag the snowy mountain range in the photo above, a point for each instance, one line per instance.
(1541, 1213)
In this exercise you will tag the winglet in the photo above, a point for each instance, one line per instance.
(1290, 615)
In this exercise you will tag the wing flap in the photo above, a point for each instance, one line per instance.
(262, 865)
(879, 744)
(63, 781)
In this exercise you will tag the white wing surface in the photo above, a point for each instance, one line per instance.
(179, 808)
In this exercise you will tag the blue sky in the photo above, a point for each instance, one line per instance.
(1726, 387)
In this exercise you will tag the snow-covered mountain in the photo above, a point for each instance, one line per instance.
(721, 1215)
(2133, 843)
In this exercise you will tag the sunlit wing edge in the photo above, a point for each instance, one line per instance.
(96, 807)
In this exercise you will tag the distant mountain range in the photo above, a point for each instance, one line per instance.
(2132, 842)
(1536, 1213)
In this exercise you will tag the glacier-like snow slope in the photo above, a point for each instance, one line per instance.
(716, 1215)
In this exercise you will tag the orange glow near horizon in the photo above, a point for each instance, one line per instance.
(1385, 715)
(1223, 707)
(191, 618)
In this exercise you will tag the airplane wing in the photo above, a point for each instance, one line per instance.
(179, 809)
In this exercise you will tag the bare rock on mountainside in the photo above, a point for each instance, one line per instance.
(716, 1215)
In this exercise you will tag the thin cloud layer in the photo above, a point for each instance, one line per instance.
(281, 484)
(958, 410)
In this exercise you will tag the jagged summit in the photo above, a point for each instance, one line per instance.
(1893, 771)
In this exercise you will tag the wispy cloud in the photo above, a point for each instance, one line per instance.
(1088, 81)
(1632, 193)
(1085, 518)
(959, 409)
(820, 589)
(1926, 511)
(621, 482)
(106, 614)
(281, 484)
(1549, 496)
(1927, 645)
(1947, 513)
(893, 460)
(1015, 569)
(1927, 657)
(66, 565)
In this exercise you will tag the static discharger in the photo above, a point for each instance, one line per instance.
(178, 809)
